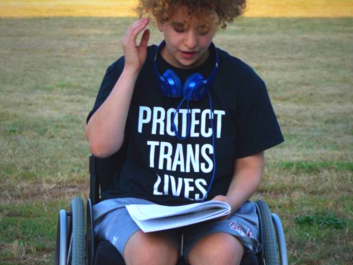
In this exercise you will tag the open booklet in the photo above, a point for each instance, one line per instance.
(154, 217)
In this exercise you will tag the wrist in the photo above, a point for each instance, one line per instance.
(131, 71)
(234, 202)
(231, 200)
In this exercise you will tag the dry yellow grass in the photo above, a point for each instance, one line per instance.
(125, 8)
(50, 72)
(300, 8)
(61, 8)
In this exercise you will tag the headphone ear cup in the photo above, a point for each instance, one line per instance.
(195, 83)
(173, 83)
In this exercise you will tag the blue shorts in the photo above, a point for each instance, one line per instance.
(113, 223)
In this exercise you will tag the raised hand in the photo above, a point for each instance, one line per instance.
(135, 55)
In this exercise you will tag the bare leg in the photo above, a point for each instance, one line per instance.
(217, 249)
(150, 248)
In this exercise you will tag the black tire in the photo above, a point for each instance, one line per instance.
(267, 230)
(90, 242)
(78, 232)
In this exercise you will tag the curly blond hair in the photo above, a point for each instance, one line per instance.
(226, 10)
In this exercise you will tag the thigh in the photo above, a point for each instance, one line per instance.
(242, 225)
(216, 248)
(151, 248)
(118, 228)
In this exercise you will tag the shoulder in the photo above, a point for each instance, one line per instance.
(238, 70)
(117, 66)
(241, 79)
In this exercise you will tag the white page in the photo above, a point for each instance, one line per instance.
(152, 211)
(153, 217)
(159, 224)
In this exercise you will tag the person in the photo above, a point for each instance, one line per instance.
(196, 122)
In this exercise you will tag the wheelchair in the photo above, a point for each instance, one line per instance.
(76, 244)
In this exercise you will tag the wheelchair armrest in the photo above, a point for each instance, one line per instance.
(94, 181)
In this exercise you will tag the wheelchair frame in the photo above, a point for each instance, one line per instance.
(74, 246)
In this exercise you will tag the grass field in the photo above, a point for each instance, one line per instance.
(50, 71)
(123, 8)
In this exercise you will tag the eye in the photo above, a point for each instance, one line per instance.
(203, 29)
(179, 28)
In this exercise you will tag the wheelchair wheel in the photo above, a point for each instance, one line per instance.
(77, 227)
(62, 236)
(269, 240)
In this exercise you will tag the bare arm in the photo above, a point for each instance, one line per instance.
(246, 179)
(105, 129)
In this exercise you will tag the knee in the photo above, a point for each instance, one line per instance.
(217, 255)
(217, 249)
(151, 249)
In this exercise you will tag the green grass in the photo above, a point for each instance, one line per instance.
(315, 167)
(321, 220)
(50, 71)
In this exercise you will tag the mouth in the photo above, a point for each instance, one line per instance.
(187, 54)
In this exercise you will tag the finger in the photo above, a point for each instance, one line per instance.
(131, 31)
(132, 37)
(137, 28)
(219, 198)
(145, 38)
(136, 24)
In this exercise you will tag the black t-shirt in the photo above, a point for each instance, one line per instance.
(164, 169)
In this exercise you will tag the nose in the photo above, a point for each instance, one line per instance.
(191, 40)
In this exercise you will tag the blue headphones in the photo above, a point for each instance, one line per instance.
(196, 87)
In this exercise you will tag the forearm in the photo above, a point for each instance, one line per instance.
(105, 129)
(246, 180)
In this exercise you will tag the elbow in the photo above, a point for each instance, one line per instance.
(98, 152)
(101, 145)
(103, 149)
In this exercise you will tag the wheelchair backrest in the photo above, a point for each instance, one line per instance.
(103, 171)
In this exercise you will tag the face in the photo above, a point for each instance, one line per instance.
(187, 40)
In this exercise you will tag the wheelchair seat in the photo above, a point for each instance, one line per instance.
(70, 242)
